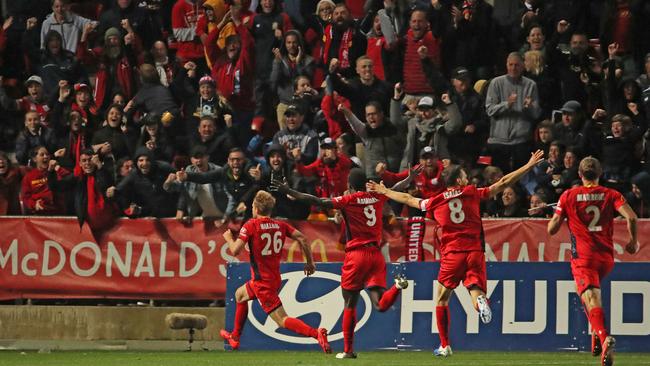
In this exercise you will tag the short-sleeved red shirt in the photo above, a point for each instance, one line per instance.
(362, 212)
(265, 238)
(457, 211)
(590, 212)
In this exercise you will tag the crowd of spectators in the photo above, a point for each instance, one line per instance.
(115, 108)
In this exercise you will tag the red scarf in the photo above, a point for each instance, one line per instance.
(77, 143)
(344, 48)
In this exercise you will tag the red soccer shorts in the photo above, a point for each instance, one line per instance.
(468, 267)
(588, 273)
(363, 267)
(265, 293)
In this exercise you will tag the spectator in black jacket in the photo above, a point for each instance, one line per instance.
(117, 137)
(141, 193)
(278, 169)
(466, 144)
(90, 184)
(240, 186)
(217, 142)
(33, 135)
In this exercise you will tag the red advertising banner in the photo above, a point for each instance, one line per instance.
(164, 259)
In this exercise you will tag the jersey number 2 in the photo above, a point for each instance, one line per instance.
(276, 241)
(593, 224)
(456, 213)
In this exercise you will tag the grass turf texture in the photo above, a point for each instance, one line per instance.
(258, 358)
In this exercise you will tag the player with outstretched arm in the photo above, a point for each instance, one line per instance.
(457, 211)
(364, 265)
(265, 238)
(590, 210)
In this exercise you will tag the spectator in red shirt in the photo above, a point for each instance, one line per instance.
(331, 168)
(185, 15)
(418, 35)
(37, 196)
(233, 71)
(115, 63)
(344, 43)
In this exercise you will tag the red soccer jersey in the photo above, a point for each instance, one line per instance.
(590, 212)
(265, 238)
(362, 214)
(457, 211)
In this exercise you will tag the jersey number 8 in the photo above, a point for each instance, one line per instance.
(276, 241)
(456, 215)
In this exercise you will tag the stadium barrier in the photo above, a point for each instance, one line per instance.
(534, 306)
(43, 258)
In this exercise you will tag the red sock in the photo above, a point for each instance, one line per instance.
(298, 326)
(349, 321)
(597, 320)
(442, 319)
(388, 298)
(241, 313)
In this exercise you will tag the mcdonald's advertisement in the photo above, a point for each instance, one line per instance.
(45, 257)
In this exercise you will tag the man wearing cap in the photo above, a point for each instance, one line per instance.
(331, 169)
(208, 200)
(570, 130)
(428, 181)
(207, 104)
(382, 141)
(297, 135)
(33, 101)
(512, 103)
(141, 193)
(114, 61)
(466, 144)
(137, 17)
(431, 126)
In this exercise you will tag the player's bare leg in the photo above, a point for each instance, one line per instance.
(281, 318)
(591, 298)
(241, 313)
(383, 299)
(443, 294)
(481, 304)
(350, 299)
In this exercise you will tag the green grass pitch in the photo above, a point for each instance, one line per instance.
(277, 358)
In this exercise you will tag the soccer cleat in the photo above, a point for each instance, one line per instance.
(607, 357)
(232, 340)
(401, 282)
(596, 347)
(346, 355)
(322, 340)
(443, 351)
(484, 311)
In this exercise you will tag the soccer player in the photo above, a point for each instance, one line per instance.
(364, 265)
(590, 211)
(457, 211)
(265, 238)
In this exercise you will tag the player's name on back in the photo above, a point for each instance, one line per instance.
(452, 193)
(367, 200)
(269, 225)
(590, 197)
